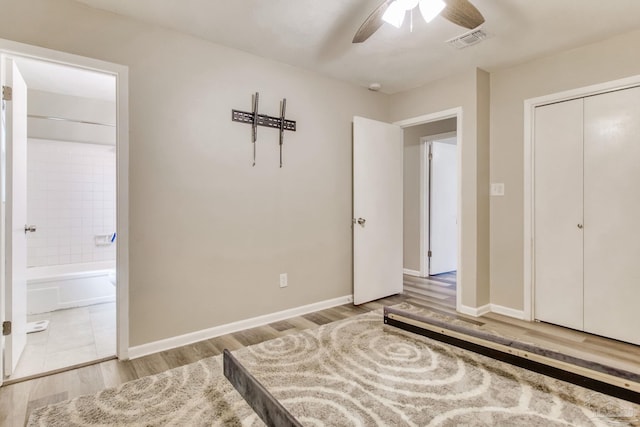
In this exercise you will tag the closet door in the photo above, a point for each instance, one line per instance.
(558, 214)
(612, 215)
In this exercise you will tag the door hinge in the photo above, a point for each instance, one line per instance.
(430, 155)
(7, 93)
(6, 327)
(429, 254)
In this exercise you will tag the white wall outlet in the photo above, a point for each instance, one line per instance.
(497, 189)
(283, 280)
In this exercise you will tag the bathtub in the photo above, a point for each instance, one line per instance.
(71, 285)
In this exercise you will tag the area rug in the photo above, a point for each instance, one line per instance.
(355, 372)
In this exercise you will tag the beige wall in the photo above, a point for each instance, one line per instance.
(600, 62)
(209, 233)
(411, 204)
(468, 90)
(482, 187)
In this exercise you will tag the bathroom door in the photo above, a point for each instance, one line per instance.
(377, 209)
(14, 128)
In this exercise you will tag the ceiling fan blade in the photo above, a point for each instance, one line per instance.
(462, 13)
(372, 23)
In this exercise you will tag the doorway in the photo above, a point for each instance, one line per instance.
(430, 211)
(67, 307)
(430, 198)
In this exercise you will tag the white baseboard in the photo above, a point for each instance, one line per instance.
(216, 331)
(411, 272)
(492, 308)
(475, 311)
(506, 311)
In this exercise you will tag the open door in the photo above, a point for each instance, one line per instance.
(14, 110)
(443, 227)
(377, 209)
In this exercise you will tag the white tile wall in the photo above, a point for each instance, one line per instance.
(71, 198)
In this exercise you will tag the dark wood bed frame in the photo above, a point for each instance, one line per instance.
(270, 411)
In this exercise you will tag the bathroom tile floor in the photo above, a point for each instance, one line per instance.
(74, 336)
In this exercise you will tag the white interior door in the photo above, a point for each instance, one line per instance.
(377, 209)
(558, 213)
(443, 207)
(15, 112)
(612, 211)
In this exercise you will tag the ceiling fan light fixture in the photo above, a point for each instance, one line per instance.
(394, 14)
(459, 12)
(431, 8)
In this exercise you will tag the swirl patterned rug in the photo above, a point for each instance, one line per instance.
(355, 372)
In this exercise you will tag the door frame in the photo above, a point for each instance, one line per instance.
(529, 180)
(434, 117)
(425, 195)
(121, 74)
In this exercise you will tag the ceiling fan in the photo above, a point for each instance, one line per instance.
(460, 12)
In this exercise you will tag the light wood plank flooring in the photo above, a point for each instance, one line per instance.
(437, 293)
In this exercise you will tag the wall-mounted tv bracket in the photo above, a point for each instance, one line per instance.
(283, 107)
(255, 120)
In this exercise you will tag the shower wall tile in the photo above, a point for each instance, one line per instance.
(71, 198)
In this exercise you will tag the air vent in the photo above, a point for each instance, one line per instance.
(468, 39)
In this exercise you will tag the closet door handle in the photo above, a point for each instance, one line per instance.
(359, 221)
(580, 226)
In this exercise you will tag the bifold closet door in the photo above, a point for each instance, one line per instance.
(558, 192)
(612, 215)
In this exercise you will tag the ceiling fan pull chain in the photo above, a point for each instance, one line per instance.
(411, 22)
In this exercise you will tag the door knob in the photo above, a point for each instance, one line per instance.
(580, 226)
(361, 221)
(29, 228)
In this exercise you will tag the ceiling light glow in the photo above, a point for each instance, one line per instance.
(431, 8)
(407, 4)
(397, 10)
(394, 14)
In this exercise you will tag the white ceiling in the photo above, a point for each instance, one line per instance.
(316, 34)
(65, 80)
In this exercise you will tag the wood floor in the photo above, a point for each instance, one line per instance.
(439, 293)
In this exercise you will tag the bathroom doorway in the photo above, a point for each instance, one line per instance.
(69, 314)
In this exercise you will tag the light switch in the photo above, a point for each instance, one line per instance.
(497, 189)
